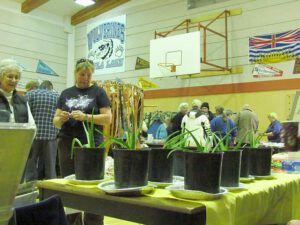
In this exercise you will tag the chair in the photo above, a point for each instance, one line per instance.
(47, 212)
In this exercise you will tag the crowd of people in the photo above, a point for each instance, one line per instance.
(59, 118)
(241, 126)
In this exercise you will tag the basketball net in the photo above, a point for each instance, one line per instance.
(168, 66)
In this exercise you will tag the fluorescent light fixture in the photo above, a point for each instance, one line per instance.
(85, 2)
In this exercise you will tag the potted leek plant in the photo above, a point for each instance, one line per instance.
(160, 165)
(179, 143)
(89, 160)
(130, 161)
(231, 165)
(203, 165)
(260, 157)
(246, 155)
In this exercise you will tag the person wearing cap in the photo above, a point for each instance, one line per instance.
(274, 129)
(176, 120)
(205, 109)
(246, 122)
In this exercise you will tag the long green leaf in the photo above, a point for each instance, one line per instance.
(131, 136)
(86, 133)
(120, 142)
(75, 140)
(112, 140)
(133, 139)
(228, 137)
(174, 138)
(241, 141)
(92, 139)
(198, 145)
(220, 141)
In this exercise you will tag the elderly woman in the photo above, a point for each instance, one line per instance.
(176, 120)
(76, 104)
(274, 129)
(13, 107)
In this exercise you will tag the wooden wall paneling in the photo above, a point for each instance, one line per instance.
(142, 22)
(28, 38)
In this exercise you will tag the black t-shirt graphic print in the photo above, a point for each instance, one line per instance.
(84, 100)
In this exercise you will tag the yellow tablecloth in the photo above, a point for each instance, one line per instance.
(265, 202)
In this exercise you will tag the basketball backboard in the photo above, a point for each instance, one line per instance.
(175, 55)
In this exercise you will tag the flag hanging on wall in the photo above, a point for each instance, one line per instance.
(141, 64)
(45, 69)
(261, 70)
(106, 45)
(274, 47)
(146, 84)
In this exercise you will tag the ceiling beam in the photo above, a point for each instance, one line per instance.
(98, 8)
(30, 5)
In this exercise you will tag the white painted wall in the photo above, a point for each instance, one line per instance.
(145, 16)
(30, 37)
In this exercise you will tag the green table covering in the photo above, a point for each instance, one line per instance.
(264, 202)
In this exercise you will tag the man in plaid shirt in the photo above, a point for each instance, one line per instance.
(42, 158)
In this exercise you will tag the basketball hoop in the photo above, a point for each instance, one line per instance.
(168, 66)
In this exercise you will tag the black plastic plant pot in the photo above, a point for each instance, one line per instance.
(131, 167)
(160, 146)
(160, 165)
(231, 168)
(245, 162)
(178, 163)
(260, 161)
(203, 171)
(89, 163)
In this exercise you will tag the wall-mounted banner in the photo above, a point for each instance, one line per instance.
(141, 64)
(106, 45)
(297, 66)
(274, 48)
(261, 70)
(45, 69)
(146, 84)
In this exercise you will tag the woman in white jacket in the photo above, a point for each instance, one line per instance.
(198, 124)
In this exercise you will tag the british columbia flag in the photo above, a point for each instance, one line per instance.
(274, 47)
